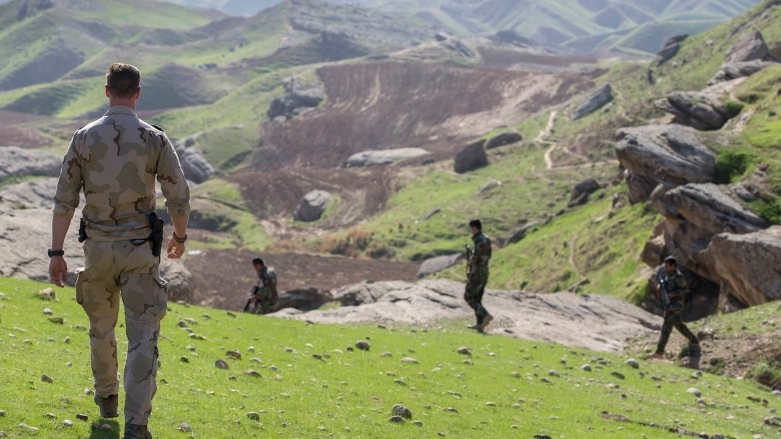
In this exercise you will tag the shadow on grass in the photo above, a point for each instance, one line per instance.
(99, 433)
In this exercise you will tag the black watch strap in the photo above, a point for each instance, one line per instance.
(53, 253)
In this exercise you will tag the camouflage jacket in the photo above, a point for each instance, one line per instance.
(481, 253)
(267, 285)
(675, 283)
(115, 160)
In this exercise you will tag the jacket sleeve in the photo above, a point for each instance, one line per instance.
(66, 199)
(172, 181)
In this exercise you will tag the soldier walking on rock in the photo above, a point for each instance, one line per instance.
(264, 295)
(672, 285)
(477, 274)
(115, 161)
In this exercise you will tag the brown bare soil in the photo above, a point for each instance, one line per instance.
(14, 133)
(392, 105)
(508, 58)
(224, 278)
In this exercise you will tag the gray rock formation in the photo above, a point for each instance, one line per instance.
(384, 157)
(472, 157)
(296, 99)
(595, 322)
(36, 193)
(437, 264)
(668, 154)
(581, 192)
(312, 206)
(195, 166)
(700, 110)
(748, 264)
(518, 234)
(747, 56)
(670, 49)
(179, 278)
(503, 139)
(712, 210)
(594, 102)
(16, 162)
(304, 299)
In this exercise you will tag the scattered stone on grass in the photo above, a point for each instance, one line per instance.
(586, 367)
(694, 391)
(24, 426)
(47, 311)
(47, 379)
(618, 375)
(400, 410)
(490, 404)
(46, 294)
(253, 416)
(774, 421)
(317, 357)
(2, 413)
(386, 354)
(546, 381)
(51, 416)
(57, 319)
(396, 419)
(633, 363)
(252, 373)
(464, 351)
(184, 359)
(82, 417)
(418, 423)
(66, 340)
(450, 409)
(230, 314)
(221, 364)
(362, 345)
(235, 354)
(68, 423)
(409, 360)
(185, 428)
(553, 373)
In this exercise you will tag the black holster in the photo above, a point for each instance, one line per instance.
(82, 230)
(156, 237)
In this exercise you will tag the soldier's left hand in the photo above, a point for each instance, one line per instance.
(175, 249)
(58, 270)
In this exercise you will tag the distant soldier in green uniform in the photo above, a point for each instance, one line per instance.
(115, 161)
(477, 274)
(264, 295)
(673, 289)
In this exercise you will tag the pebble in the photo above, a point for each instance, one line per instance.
(400, 410)
(233, 354)
(2, 413)
(82, 417)
(252, 373)
(490, 404)
(586, 367)
(51, 416)
(694, 391)
(450, 409)
(632, 362)
(230, 314)
(701, 401)
(777, 392)
(47, 311)
(255, 360)
(396, 419)
(618, 375)
(697, 374)
(47, 379)
(185, 428)
(190, 348)
(221, 364)
(67, 340)
(386, 354)
(184, 359)
(553, 373)
(418, 423)
(253, 416)
(67, 423)
(59, 320)
(409, 360)
(362, 345)
(317, 356)
(27, 427)
(464, 351)
(290, 350)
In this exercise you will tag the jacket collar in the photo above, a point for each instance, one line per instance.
(121, 109)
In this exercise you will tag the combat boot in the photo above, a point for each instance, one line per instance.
(486, 320)
(656, 356)
(133, 431)
(108, 406)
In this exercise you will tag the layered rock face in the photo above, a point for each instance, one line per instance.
(594, 102)
(746, 57)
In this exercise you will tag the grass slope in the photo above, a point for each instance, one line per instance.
(506, 387)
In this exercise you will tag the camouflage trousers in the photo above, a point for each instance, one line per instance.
(264, 304)
(673, 318)
(114, 270)
(475, 287)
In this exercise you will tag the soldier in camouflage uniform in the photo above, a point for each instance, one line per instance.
(477, 274)
(676, 289)
(114, 161)
(264, 299)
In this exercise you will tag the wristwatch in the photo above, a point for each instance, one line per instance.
(53, 253)
(178, 239)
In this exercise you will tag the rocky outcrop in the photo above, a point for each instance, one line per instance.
(472, 157)
(581, 192)
(312, 206)
(437, 264)
(507, 138)
(747, 56)
(384, 157)
(670, 49)
(594, 102)
(195, 166)
(663, 154)
(16, 162)
(595, 322)
(180, 280)
(712, 210)
(748, 265)
(32, 194)
(700, 110)
(518, 234)
(296, 99)
(304, 299)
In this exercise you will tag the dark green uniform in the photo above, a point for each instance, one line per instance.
(266, 298)
(477, 275)
(673, 313)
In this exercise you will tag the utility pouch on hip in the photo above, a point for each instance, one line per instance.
(82, 230)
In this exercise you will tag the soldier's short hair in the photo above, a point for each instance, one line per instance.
(258, 261)
(123, 80)
(476, 224)
(671, 260)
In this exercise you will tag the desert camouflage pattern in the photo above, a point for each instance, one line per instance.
(115, 160)
(477, 275)
(266, 299)
(114, 270)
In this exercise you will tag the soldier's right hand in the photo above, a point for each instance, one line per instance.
(175, 249)
(58, 270)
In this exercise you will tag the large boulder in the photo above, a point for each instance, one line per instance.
(296, 99)
(748, 264)
(17, 162)
(700, 110)
(472, 157)
(312, 206)
(437, 264)
(365, 292)
(195, 166)
(729, 72)
(304, 299)
(180, 280)
(581, 192)
(747, 56)
(670, 49)
(672, 155)
(594, 102)
(384, 157)
(507, 138)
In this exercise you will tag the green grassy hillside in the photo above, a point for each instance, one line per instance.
(505, 388)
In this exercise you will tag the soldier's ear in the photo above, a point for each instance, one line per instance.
(107, 93)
